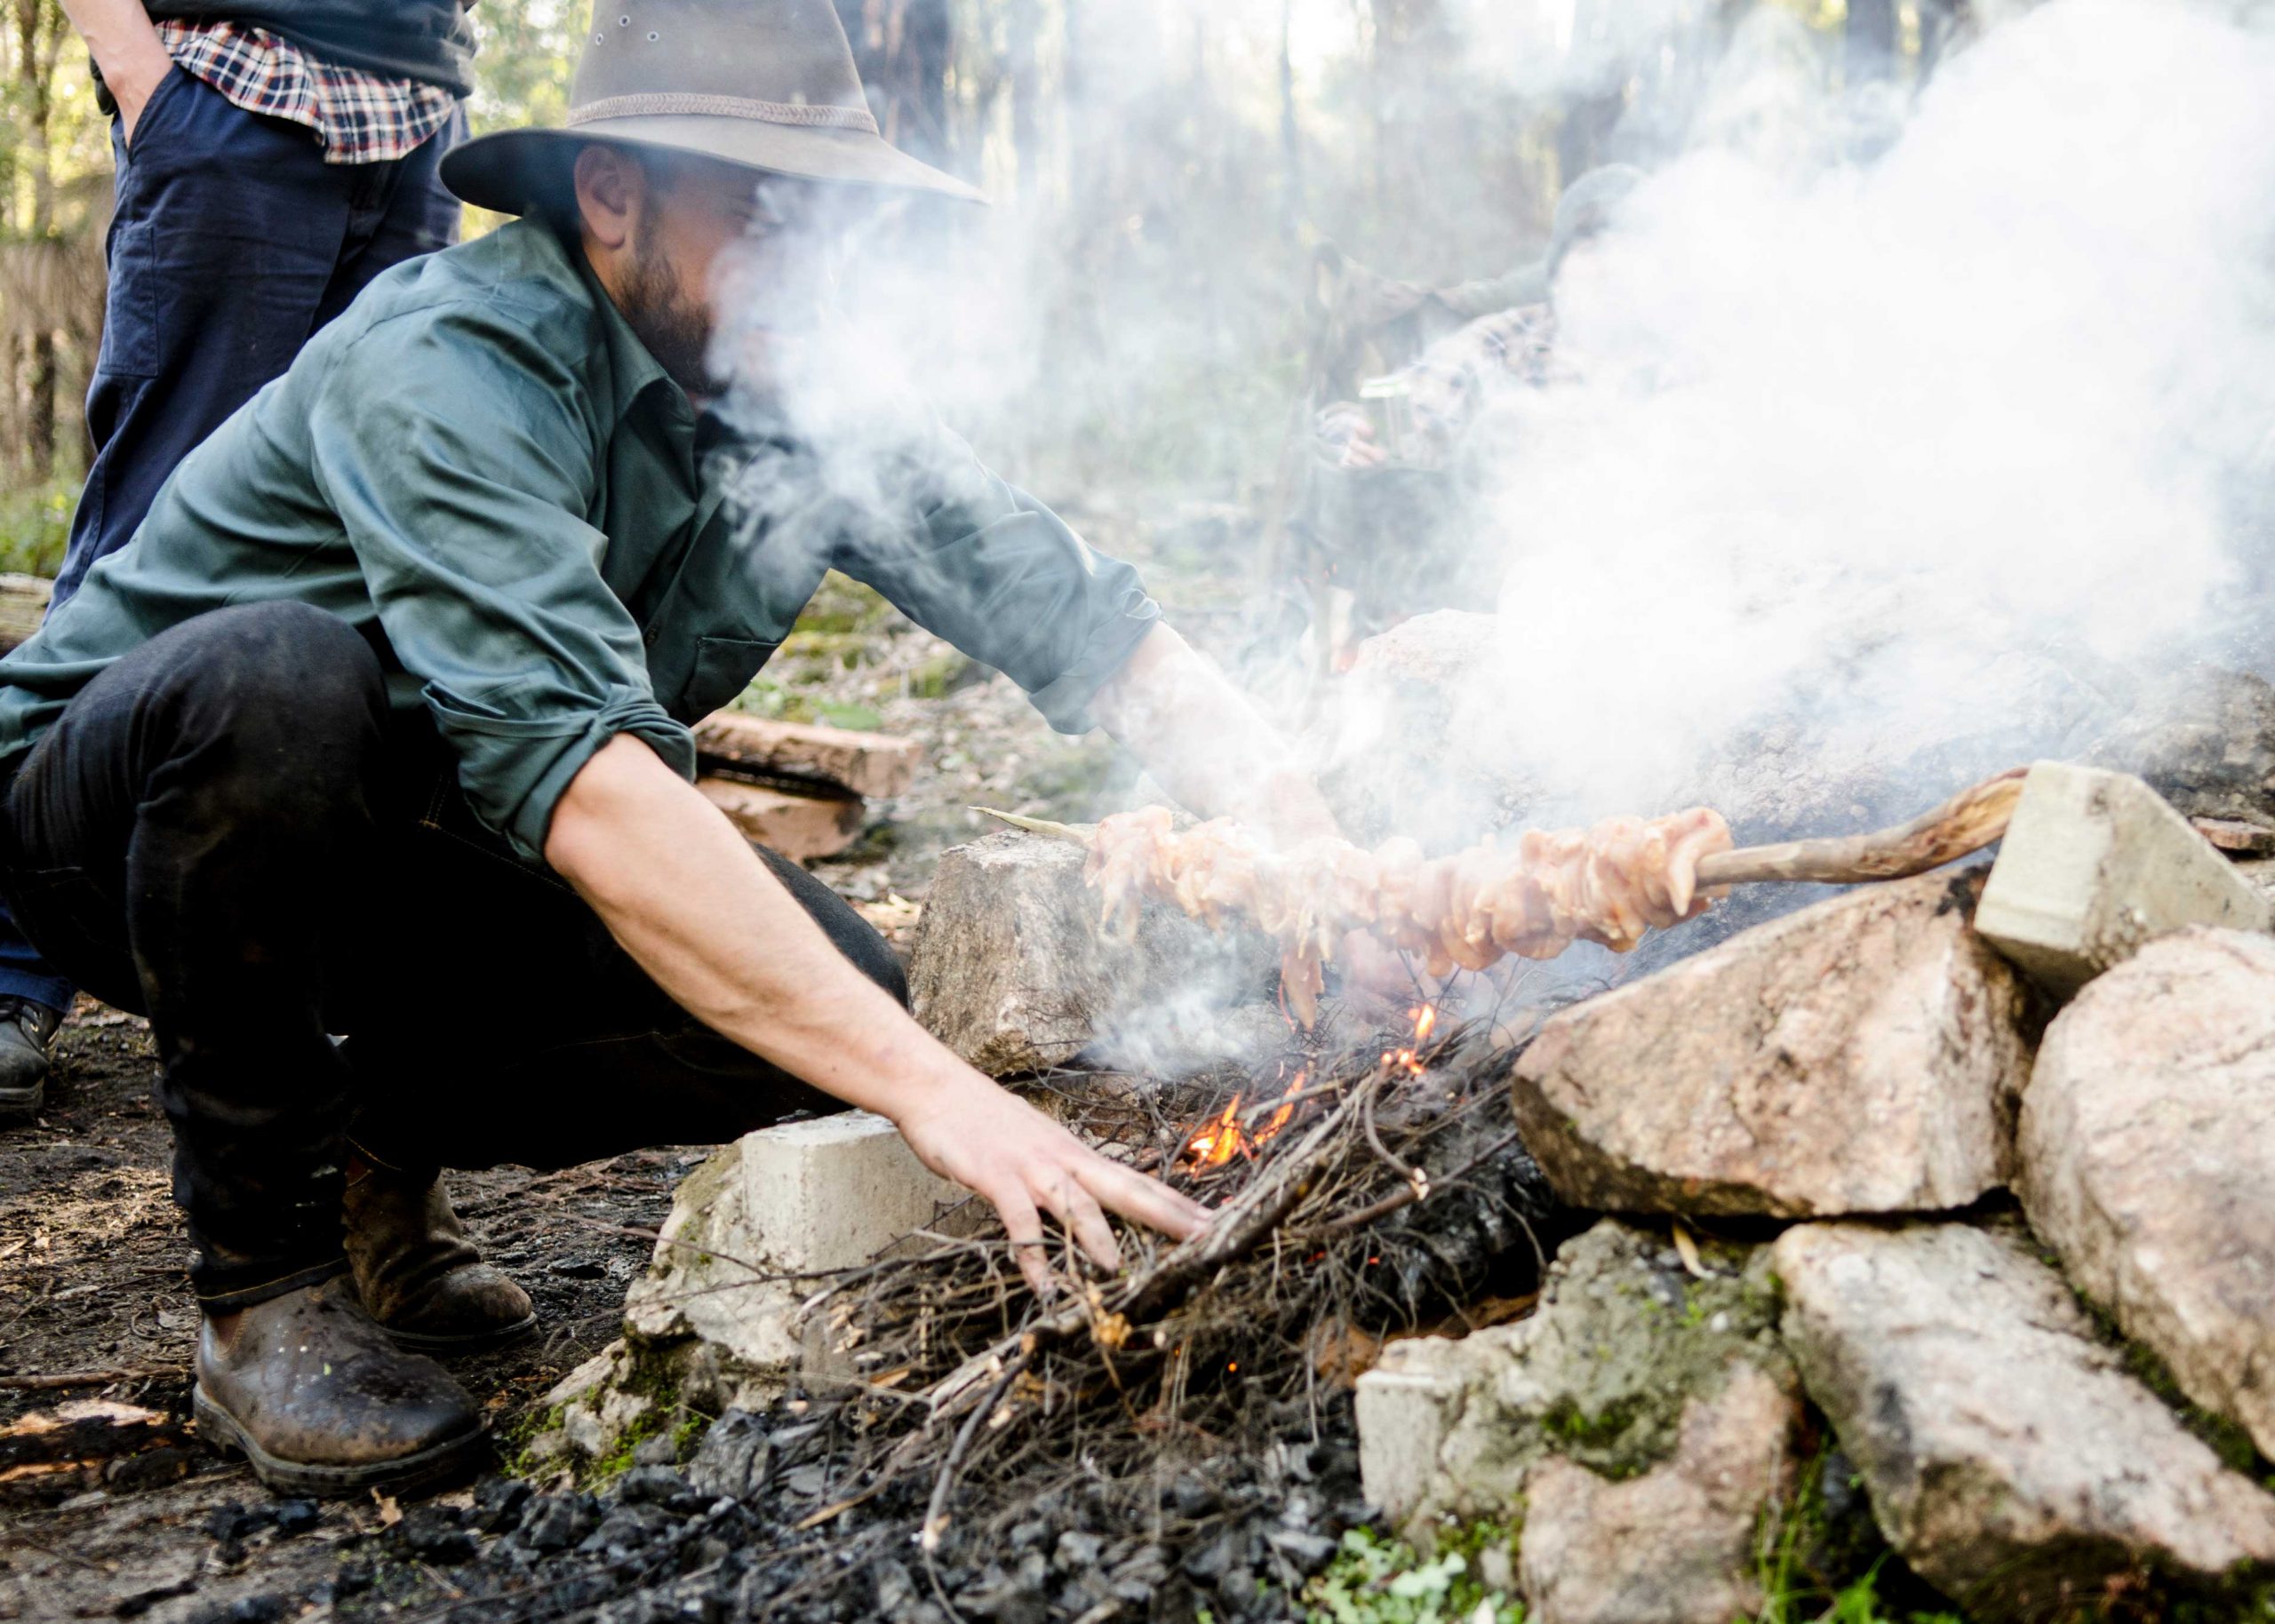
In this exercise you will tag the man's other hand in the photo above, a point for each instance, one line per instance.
(127, 51)
(996, 1144)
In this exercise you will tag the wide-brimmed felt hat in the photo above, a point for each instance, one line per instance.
(770, 84)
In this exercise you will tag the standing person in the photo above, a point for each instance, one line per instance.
(273, 156)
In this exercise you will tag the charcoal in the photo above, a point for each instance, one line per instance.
(244, 1610)
(433, 1533)
(651, 1486)
(556, 1522)
(1214, 1560)
(497, 1503)
(624, 1529)
(1192, 1497)
(1076, 1551)
(1306, 1550)
(232, 1523)
(734, 1456)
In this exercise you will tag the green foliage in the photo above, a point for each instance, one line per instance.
(34, 525)
(1858, 1603)
(1375, 1580)
(515, 1440)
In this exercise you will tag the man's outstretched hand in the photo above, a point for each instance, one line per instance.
(682, 890)
(996, 1144)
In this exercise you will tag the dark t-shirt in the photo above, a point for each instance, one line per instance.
(427, 40)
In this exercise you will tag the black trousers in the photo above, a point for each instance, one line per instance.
(228, 831)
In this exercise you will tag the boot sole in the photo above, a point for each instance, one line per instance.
(469, 1341)
(437, 1463)
(22, 1102)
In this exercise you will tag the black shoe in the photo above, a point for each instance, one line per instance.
(25, 1029)
(314, 1392)
(418, 1271)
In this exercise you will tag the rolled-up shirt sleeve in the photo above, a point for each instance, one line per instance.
(993, 571)
(463, 500)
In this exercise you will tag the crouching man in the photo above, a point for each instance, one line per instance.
(379, 727)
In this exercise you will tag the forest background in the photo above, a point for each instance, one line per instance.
(1176, 165)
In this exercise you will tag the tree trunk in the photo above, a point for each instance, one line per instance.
(1291, 136)
(1870, 40)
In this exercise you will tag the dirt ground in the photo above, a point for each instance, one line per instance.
(92, 1250)
(92, 1255)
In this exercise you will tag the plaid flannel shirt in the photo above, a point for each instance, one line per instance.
(358, 117)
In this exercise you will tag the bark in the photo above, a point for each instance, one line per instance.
(1870, 40)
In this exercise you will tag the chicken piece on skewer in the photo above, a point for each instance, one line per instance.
(1534, 898)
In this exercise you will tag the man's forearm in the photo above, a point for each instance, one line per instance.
(688, 899)
(679, 888)
(126, 49)
(1205, 743)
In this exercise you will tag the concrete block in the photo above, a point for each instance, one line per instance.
(2095, 863)
(1404, 1418)
(749, 1229)
(832, 1191)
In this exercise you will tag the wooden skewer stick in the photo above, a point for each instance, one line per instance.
(1967, 821)
(1078, 833)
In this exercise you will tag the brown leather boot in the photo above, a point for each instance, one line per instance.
(312, 1391)
(418, 1272)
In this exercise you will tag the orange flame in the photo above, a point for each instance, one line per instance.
(1217, 1142)
(1221, 1137)
(1408, 1060)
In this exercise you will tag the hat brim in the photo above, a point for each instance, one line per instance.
(516, 172)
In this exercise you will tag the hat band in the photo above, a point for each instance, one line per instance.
(671, 104)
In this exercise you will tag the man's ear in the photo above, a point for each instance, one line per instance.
(611, 189)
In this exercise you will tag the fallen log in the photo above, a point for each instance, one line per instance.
(801, 827)
(806, 753)
(23, 604)
(88, 1444)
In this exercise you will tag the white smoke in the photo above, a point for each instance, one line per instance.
(1852, 439)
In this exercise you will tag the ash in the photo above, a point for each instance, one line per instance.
(1177, 1438)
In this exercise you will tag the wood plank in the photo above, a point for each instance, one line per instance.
(23, 602)
(801, 827)
(865, 763)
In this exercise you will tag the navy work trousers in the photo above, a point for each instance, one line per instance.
(229, 831)
(233, 242)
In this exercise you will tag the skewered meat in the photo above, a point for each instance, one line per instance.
(1533, 898)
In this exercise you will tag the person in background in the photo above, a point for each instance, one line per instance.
(273, 156)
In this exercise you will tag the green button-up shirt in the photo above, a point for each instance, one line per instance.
(481, 467)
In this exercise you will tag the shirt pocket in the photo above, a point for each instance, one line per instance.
(724, 667)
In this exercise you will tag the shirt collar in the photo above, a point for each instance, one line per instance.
(633, 371)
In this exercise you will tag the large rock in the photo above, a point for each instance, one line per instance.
(1011, 970)
(1675, 1545)
(2148, 1152)
(2009, 1458)
(717, 1319)
(1640, 1425)
(1864, 1055)
(2205, 737)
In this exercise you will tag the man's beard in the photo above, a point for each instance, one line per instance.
(675, 328)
